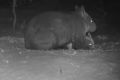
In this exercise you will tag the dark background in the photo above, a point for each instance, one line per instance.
(105, 13)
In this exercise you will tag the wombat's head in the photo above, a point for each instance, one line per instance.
(89, 24)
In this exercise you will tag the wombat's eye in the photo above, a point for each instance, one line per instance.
(91, 21)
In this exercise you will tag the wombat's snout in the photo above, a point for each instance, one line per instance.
(90, 40)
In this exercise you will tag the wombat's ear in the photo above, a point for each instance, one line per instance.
(81, 11)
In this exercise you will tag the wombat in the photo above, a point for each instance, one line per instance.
(54, 30)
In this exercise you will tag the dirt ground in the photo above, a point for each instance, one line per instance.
(18, 63)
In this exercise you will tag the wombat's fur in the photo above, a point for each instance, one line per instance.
(51, 30)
